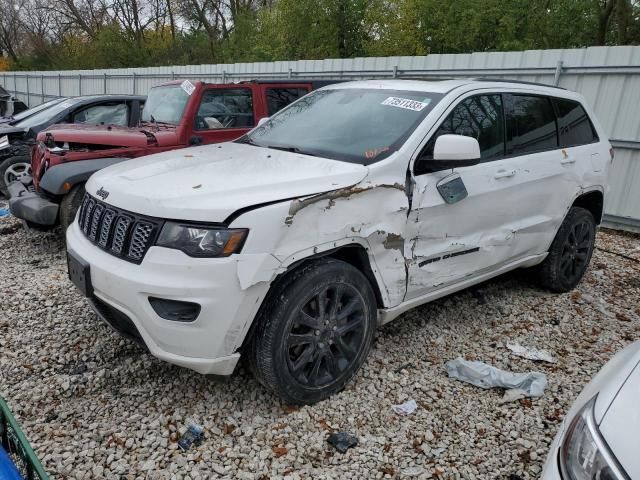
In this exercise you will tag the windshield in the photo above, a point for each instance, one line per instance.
(48, 114)
(354, 125)
(34, 110)
(165, 105)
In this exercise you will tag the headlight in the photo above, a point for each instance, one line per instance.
(202, 241)
(4, 142)
(584, 454)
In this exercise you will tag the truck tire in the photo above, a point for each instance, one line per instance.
(12, 169)
(570, 252)
(69, 206)
(314, 332)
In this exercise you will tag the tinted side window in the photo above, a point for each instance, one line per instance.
(532, 124)
(574, 125)
(480, 117)
(278, 98)
(225, 108)
(113, 114)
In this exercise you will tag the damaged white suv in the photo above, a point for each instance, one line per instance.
(354, 204)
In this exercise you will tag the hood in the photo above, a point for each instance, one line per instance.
(620, 426)
(105, 135)
(209, 183)
(9, 130)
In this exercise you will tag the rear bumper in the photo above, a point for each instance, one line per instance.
(31, 206)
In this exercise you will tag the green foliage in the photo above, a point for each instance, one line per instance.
(316, 29)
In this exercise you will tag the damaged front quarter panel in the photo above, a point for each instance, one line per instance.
(372, 215)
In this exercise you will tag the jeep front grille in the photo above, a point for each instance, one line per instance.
(116, 231)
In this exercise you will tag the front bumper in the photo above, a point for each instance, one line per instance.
(31, 206)
(208, 345)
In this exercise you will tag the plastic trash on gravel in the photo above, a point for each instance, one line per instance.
(342, 441)
(531, 353)
(532, 384)
(406, 408)
(192, 437)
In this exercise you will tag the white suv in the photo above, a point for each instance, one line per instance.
(354, 204)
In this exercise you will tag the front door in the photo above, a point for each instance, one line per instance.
(224, 114)
(449, 242)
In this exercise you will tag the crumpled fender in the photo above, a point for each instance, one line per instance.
(73, 172)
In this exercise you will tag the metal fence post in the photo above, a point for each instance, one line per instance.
(224, 76)
(290, 74)
(15, 83)
(173, 75)
(42, 87)
(395, 71)
(59, 85)
(556, 77)
(104, 83)
(28, 94)
(79, 84)
(134, 82)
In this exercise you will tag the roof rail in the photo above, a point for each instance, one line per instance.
(506, 80)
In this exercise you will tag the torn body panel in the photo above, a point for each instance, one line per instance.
(372, 216)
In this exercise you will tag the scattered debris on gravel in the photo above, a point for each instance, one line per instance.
(97, 406)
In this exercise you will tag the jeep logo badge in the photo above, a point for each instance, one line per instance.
(102, 193)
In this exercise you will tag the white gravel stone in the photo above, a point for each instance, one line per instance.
(97, 406)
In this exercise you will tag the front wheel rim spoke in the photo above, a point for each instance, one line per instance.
(348, 327)
(348, 309)
(299, 339)
(332, 365)
(315, 370)
(304, 359)
(307, 320)
(345, 349)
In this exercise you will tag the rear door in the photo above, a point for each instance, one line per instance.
(224, 113)
(279, 96)
(546, 175)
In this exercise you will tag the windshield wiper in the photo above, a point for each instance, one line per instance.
(290, 149)
(248, 141)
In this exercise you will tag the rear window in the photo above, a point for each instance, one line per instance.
(574, 125)
(532, 124)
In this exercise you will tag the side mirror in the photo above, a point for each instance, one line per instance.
(262, 121)
(457, 148)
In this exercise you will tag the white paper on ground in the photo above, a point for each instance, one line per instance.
(406, 408)
(531, 353)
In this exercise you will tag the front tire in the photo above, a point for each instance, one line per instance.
(69, 206)
(11, 170)
(315, 332)
(570, 252)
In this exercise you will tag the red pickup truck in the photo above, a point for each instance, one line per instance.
(176, 115)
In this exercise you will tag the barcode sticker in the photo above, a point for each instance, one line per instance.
(405, 103)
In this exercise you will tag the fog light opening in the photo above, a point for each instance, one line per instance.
(175, 310)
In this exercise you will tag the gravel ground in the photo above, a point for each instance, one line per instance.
(96, 406)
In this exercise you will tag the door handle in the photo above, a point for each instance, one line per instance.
(568, 161)
(504, 173)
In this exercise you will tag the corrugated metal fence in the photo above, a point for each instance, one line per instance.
(609, 77)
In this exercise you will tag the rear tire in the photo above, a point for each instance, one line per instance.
(70, 205)
(12, 169)
(314, 333)
(570, 252)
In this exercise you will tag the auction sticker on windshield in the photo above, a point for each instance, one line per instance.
(188, 87)
(405, 103)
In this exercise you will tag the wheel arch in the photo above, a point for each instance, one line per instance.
(356, 253)
(593, 201)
